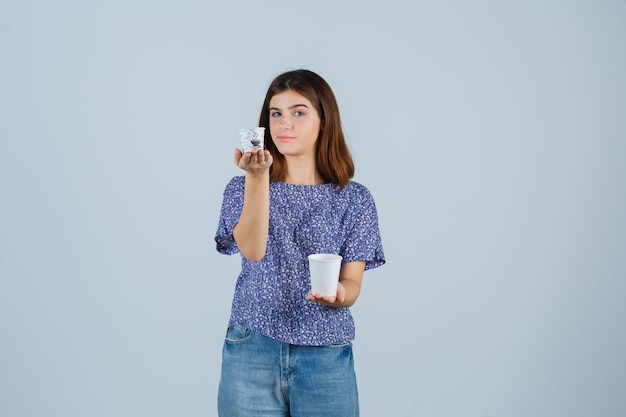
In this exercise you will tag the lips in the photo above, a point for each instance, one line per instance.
(283, 138)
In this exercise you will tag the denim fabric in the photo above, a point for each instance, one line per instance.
(264, 377)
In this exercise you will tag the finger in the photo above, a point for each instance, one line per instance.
(244, 161)
(237, 156)
(340, 297)
(253, 155)
(329, 298)
(317, 297)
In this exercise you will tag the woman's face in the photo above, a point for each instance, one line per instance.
(294, 123)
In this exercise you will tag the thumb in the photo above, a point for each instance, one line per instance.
(237, 156)
(341, 293)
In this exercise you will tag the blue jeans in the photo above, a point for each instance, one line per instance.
(264, 377)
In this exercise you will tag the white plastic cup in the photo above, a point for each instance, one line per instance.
(324, 269)
(252, 138)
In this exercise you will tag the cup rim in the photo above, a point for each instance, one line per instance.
(325, 257)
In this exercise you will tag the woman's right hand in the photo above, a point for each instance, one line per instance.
(257, 162)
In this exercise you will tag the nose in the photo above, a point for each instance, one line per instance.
(285, 122)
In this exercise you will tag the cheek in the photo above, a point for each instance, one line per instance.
(314, 128)
(272, 125)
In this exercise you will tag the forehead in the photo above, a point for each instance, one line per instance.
(289, 98)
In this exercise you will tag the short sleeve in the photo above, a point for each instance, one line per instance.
(363, 242)
(232, 204)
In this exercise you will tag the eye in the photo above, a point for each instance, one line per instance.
(275, 114)
(298, 113)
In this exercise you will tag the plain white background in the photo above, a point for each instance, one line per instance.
(491, 134)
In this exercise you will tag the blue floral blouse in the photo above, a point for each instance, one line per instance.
(270, 295)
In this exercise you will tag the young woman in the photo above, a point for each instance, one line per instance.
(288, 352)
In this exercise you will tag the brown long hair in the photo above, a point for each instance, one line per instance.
(333, 159)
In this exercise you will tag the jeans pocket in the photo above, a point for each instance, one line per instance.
(339, 347)
(238, 333)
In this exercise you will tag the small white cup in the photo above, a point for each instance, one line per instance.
(324, 268)
(252, 138)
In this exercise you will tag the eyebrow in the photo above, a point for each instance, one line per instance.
(290, 107)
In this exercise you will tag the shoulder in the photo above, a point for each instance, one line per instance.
(235, 183)
(356, 190)
(356, 186)
(359, 197)
(234, 187)
(237, 180)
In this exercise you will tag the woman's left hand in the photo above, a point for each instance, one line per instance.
(328, 300)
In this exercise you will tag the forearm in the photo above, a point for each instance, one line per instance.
(251, 231)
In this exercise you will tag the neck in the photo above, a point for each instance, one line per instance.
(302, 172)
